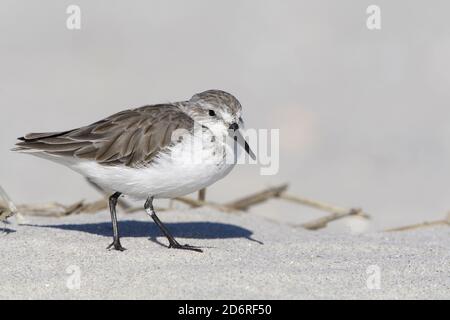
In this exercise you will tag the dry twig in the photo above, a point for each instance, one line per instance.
(121, 202)
(55, 209)
(422, 225)
(245, 203)
(202, 194)
(323, 222)
(7, 207)
(336, 212)
(58, 210)
(314, 204)
(197, 203)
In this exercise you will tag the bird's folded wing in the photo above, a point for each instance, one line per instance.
(132, 137)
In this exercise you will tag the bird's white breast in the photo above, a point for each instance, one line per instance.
(193, 164)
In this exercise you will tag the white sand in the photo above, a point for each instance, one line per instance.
(292, 263)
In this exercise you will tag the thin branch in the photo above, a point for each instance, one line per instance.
(55, 209)
(192, 202)
(336, 212)
(202, 194)
(121, 202)
(323, 222)
(319, 205)
(197, 203)
(422, 225)
(58, 210)
(7, 207)
(141, 209)
(245, 203)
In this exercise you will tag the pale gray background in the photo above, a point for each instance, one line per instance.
(363, 115)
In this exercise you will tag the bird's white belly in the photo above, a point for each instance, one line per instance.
(182, 171)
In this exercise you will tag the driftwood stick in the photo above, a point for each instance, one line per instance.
(242, 204)
(320, 205)
(193, 203)
(121, 202)
(245, 203)
(202, 195)
(422, 225)
(7, 207)
(336, 212)
(141, 209)
(323, 222)
(94, 207)
(54, 209)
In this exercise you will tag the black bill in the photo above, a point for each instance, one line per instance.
(237, 136)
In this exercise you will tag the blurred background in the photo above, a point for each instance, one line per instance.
(363, 114)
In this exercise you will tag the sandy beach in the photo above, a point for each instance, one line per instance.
(48, 258)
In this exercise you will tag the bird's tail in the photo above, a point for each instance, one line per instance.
(35, 142)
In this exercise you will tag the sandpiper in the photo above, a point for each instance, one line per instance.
(140, 153)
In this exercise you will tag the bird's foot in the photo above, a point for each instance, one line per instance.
(176, 245)
(116, 246)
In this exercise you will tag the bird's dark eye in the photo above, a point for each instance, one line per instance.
(212, 113)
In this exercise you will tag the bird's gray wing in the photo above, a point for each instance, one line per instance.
(132, 137)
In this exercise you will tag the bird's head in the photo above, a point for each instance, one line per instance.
(221, 112)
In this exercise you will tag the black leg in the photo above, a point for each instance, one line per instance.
(172, 242)
(112, 208)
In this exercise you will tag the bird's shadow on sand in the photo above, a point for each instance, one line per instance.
(134, 229)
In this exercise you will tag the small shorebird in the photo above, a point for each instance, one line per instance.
(141, 153)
